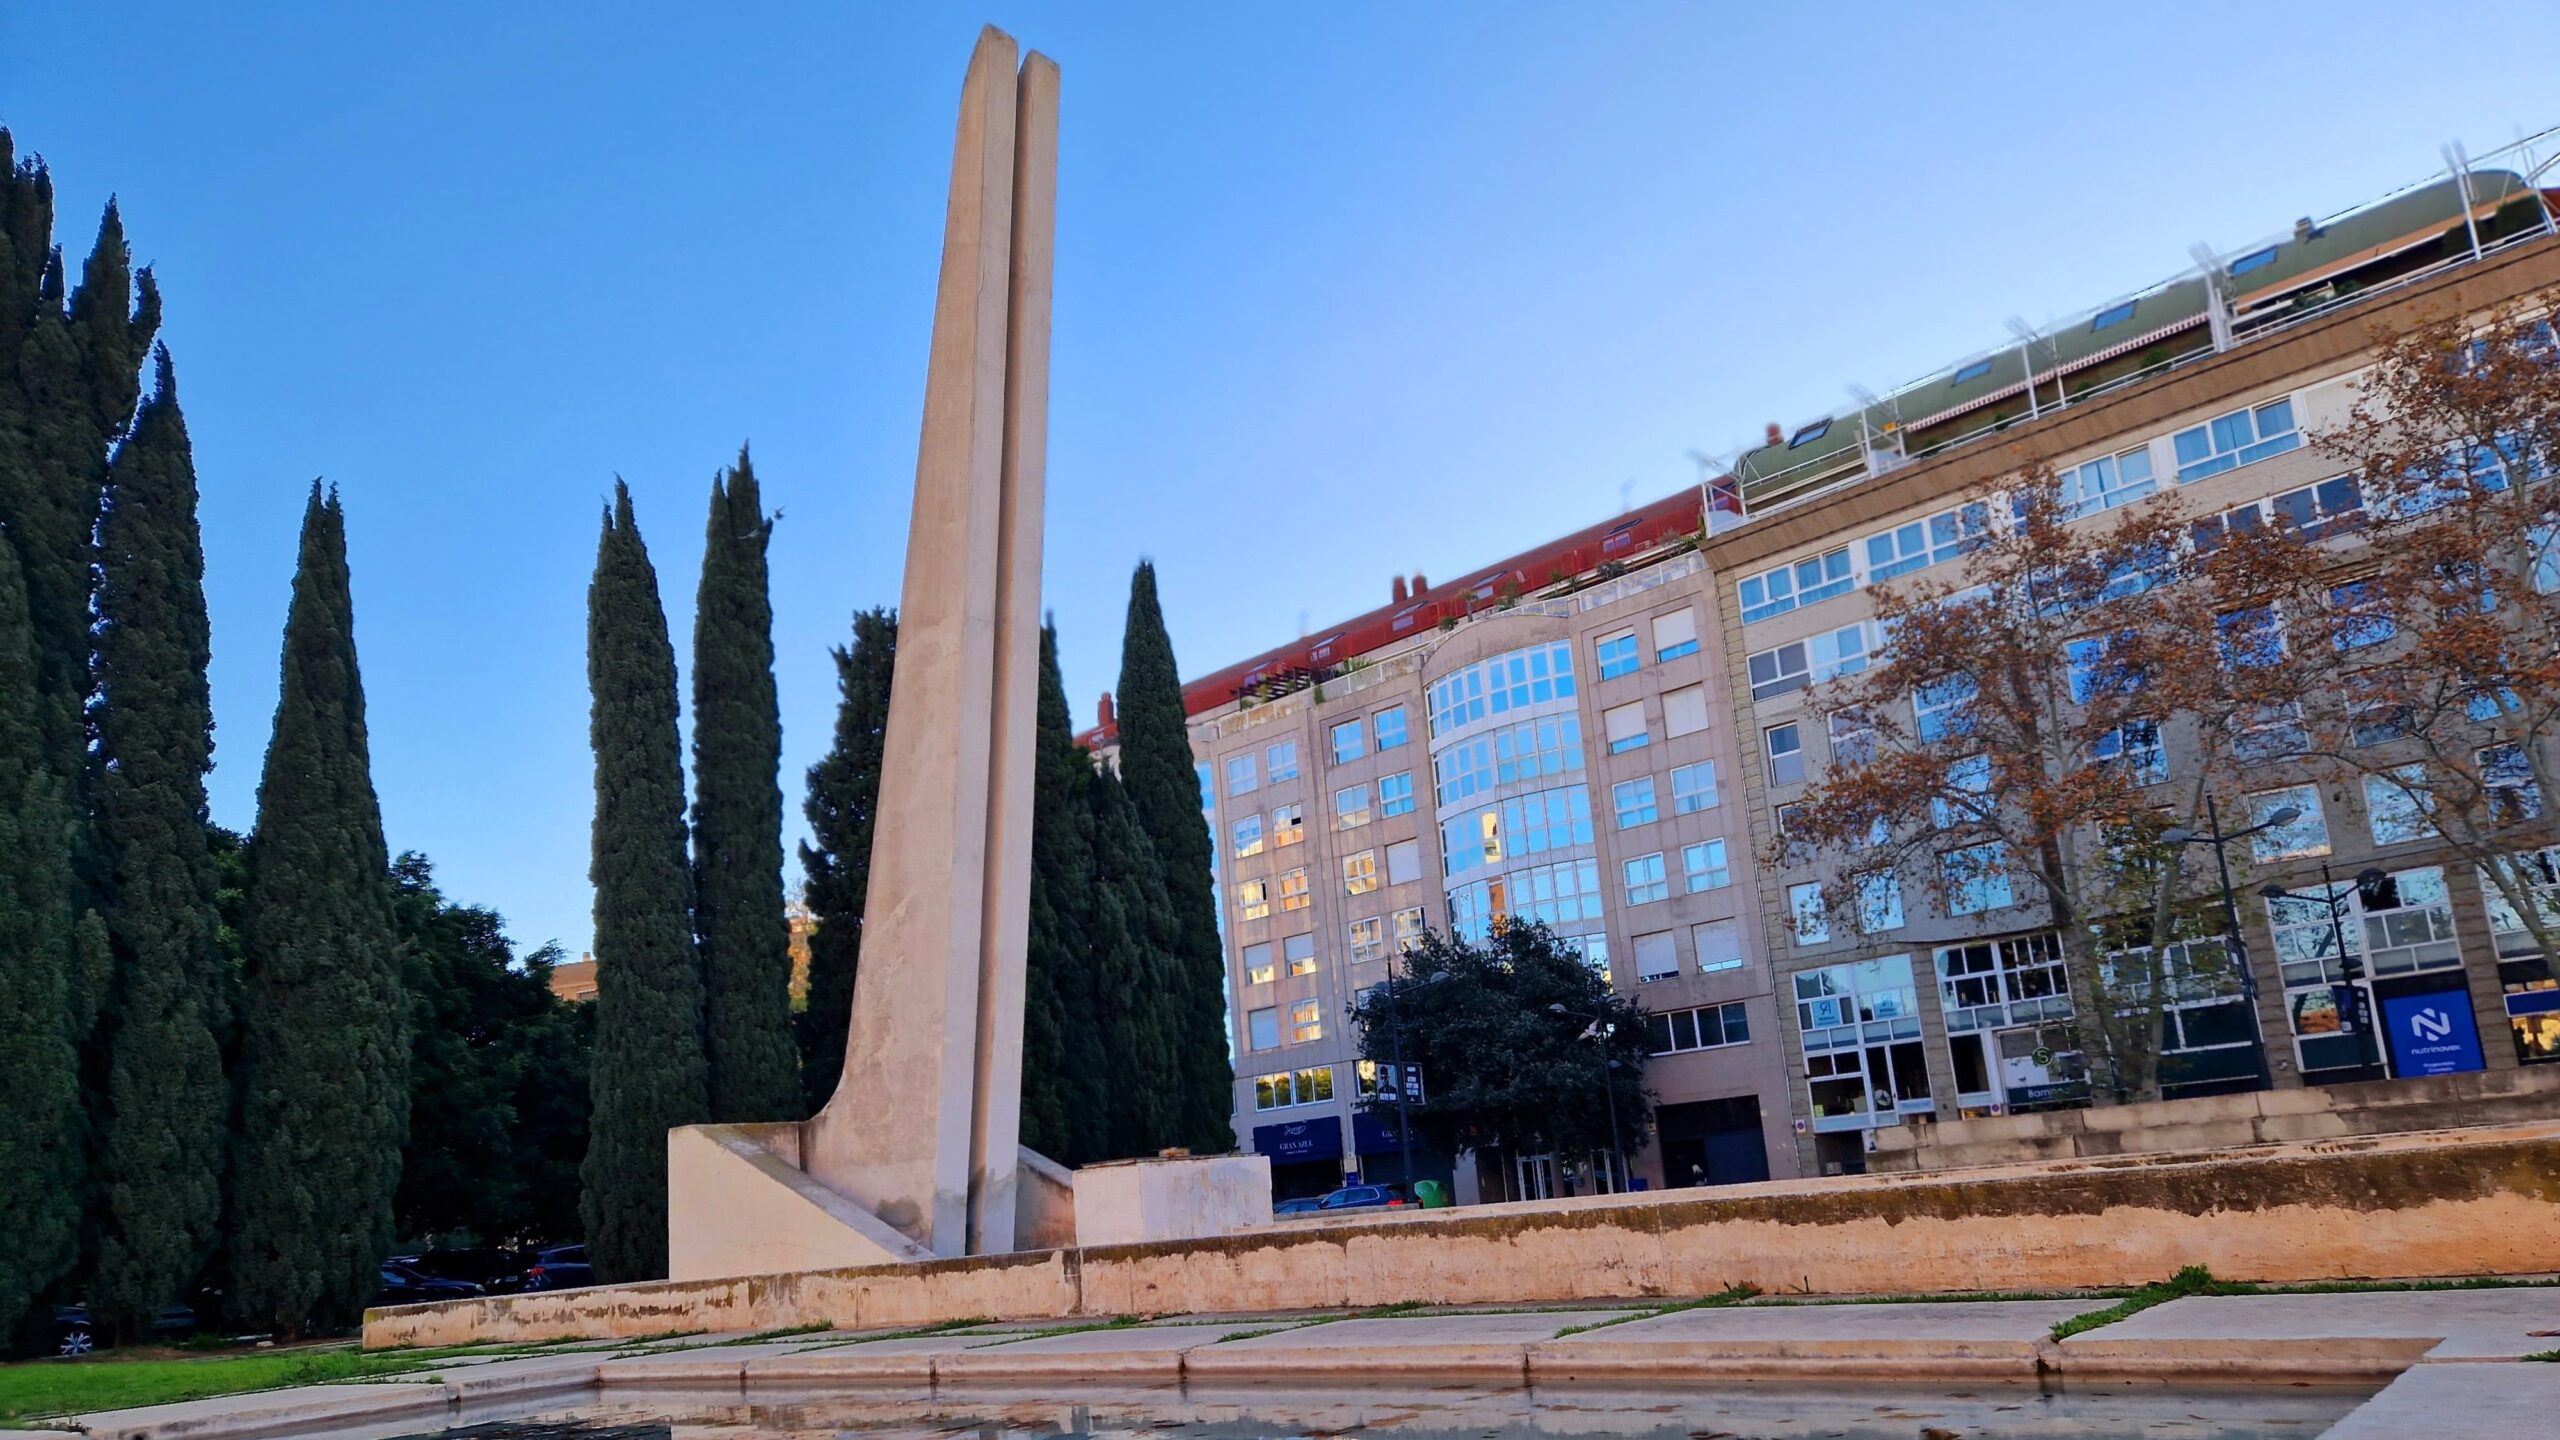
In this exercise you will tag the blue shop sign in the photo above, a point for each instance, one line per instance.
(2432, 1034)
(1316, 1139)
(1373, 1132)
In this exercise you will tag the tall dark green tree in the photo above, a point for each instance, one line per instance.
(1064, 1090)
(324, 1036)
(1164, 787)
(497, 1077)
(835, 863)
(737, 816)
(41, 1164)
(1135, 935)
(649, 1075)
(165, 1107)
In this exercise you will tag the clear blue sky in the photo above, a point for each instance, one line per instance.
(1342, 292)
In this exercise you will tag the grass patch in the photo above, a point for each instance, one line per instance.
(2194, 1280)
(1389, 1312)
(52, 1389)
(2550, 1357)
(1947, 1297)
(785, 1333)
(1729, 1295)
(1124, 1322)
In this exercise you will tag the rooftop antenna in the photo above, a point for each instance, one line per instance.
(2026, 334)
(2217, 302)
(2460, 164)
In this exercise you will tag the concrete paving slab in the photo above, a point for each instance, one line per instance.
(1492, 1345)
(269, 1412)
(905, 1360)
(1135, 1353)
(2459, 1399)
(503, 1378)
(2361, 1335)
(1935, 1339)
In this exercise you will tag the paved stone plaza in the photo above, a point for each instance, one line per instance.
(2450, 1362)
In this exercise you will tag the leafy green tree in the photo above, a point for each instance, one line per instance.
(498, 1078)
(1511, 1036)
(1157, 770)
(1064, 1083)
(40, 1125)
(842, 805)
(649, 1075)
(163, 1146)
(737, 816)
(324, 1043)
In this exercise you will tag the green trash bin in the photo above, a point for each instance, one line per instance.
(1432, 1194)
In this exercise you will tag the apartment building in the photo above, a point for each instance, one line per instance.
(1602, 733)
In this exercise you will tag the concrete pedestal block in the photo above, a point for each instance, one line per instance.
(1133, 1202)
(738, 1203)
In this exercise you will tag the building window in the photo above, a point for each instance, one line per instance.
(1646, 881)
(1500, 684)
(2398, 804)
(1879, 903)
(1248, 836)
(1526, 751)
(1812, 921)
(1693, 788)
(2269, 732)
(1860, 1026)
(1719, 945)
(1808, 662)
(1617, 655)
(2354, 619)
(1778, 591)
(1360, 872)
(2254, 260)
(1809, 433)
(1404, 862)
(1977, 879)
(1591, 950)
(1970, 371)
(1253, 899)
(2108, 481)
(2311, 512)
(1262, 1028)
(1657, 956)
(2534, 875)
(1288, 825)
(1351, 807)
(2306, 834)
(1208, 792)
(1560, 896)
(1293, 1087)
(1941, 537)
(1633, 800)
(1785, 744)
(1240, 775)
(2506, 781)
(1684, 711)
(1283, 760)
(1705, 1028)
(1300, 952)
(1395, 794)
(1409, 928)
(1944, 707)
(1624, 725)
(1257, 964)
(1347, 741)
(1293, 890)
(1994, 984)
(2135, 744)
(2111, 317)
(1368, 940)
(1306, 1022)
(1675, 634)
(1388, 725)
(1703, 866)
(2242, 437)
(1515, 829)
(1853, 737)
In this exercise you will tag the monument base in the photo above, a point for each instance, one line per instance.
(739, 1203)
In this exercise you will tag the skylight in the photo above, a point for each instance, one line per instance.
(1814, 431)
(1974, 371)
(2257, 261)
(2112, 315)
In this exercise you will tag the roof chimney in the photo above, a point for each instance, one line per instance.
(1419, 584)
(1399, 592)
(1776, 434)
(1102, 712)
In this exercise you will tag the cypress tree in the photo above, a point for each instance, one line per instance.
(324, 1042)
(1164, 788)
(843, 801)
(649, 1075)
(737, 816)
(1136, 937)
(160, 1156)
(1064, 1088)
(40, 1130)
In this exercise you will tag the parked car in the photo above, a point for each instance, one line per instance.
(73, 1334)
(561, 1267)
(494, 1271)
(1303, 1205)
(404, 1284)
(1365, 1197)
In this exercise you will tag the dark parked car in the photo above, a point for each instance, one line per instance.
(494, 1271)
(1366, 1197)
(73, 1334)
(404, 1284)
(561, 1267)
(1303, 1205)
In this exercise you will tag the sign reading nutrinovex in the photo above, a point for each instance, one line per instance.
(2432, 1034)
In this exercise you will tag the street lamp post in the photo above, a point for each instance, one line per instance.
(1600, 1032)
(2351, 970)
(1395, 1051)
(2217, 837)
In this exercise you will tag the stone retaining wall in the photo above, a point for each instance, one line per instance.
(2443, 1204)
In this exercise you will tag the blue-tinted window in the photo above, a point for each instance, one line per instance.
(1618, 656)
(1974, 371)
(2111, 316)
(2257, 260)
(1810, 433)
(1389, 727)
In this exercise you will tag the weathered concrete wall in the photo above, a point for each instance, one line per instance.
(1132, 1202)
(738, 1204)
(2322, 1112)
(2451, 1203)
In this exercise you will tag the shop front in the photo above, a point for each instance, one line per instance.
(1305, 1155)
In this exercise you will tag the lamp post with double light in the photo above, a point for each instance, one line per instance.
(2351, 972)
(2217, 837)
(1601, 1030)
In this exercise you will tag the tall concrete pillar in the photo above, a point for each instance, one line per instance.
(923, 1129)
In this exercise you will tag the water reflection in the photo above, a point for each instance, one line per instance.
(1732, 1411)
